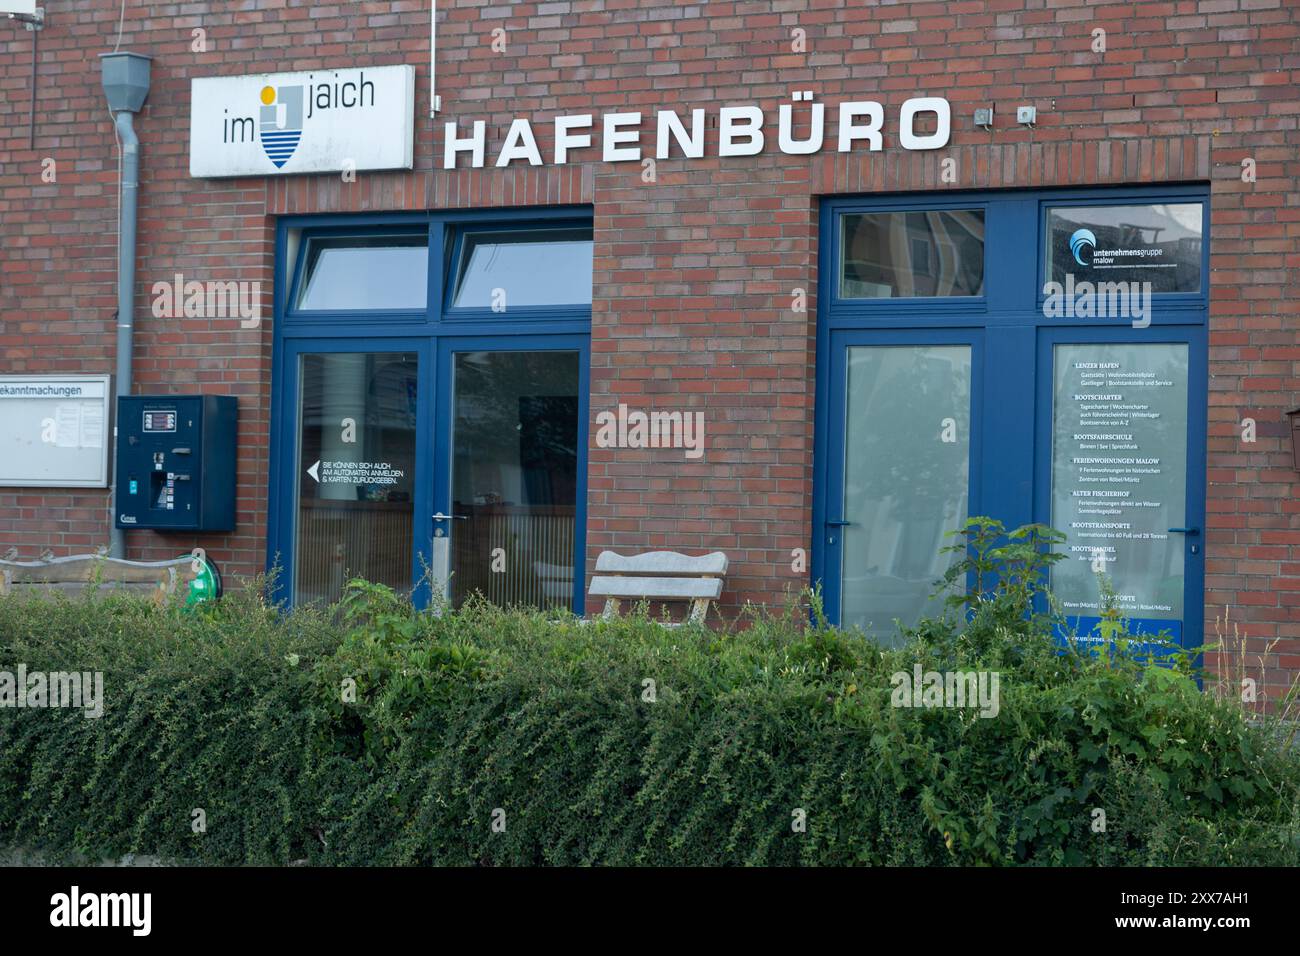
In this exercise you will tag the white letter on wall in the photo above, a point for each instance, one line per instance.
(613, 136)
(565, 142)
(692, 146)
(520, 144)
(472, 145)
(870, 132)
(924, 104)
(730, 129)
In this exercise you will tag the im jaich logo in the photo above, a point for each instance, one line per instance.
(281, 121)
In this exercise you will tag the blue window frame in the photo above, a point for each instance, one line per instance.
(434, 333)
(1012, 342)
(383, 272)
(533, 268)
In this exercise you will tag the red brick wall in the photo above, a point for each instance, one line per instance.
(694, 273)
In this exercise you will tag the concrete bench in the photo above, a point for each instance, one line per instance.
(555, 581)
(659, 576)
(187, 577)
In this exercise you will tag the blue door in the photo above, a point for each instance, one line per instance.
(353, 447)
(1031, 357)
(906, 404)
(510, 455)
(1120, 438)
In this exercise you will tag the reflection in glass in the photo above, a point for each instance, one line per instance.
(515, 477)
(366, 272)
(906, 469)
(1119, 473)
(356, 466)
(536, 267)
(1160, 244)
(912, 254)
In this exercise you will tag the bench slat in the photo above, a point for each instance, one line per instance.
(656, 589)
(662, 563)
(73, 572)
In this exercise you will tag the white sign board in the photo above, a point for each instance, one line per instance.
(326, 121)
(54, 431)
(18, 6)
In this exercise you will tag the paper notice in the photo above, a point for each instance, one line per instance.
(92, 425)
(67, 426)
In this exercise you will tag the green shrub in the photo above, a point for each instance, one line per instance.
(379, 735)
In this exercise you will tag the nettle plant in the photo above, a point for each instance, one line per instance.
(1004, 576)
(994, 592)
(1010, 566)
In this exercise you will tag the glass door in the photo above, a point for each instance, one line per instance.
(509, 469)
(1124, 448)
(901, 472)
(357, 462)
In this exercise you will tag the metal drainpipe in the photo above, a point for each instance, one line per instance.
(126, 84)
(125, 122)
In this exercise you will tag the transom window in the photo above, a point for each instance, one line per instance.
(354, 273)
(1159, 243)
(912, 254)
(501, 269)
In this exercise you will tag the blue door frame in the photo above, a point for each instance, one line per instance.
(826, 507)
(434, 334)
(285, 450)
(1194, 338)
(1010, 458)
(447, 347)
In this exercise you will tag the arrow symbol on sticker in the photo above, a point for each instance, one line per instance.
(312, 471)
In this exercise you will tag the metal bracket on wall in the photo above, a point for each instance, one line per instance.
(435, 101)
(34, 22)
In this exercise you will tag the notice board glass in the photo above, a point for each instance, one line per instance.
(54, 431)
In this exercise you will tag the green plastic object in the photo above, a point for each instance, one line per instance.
(206, 585)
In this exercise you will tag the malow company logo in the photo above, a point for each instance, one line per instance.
(280, 122)
(1082, 241)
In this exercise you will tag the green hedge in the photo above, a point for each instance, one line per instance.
(239, 711)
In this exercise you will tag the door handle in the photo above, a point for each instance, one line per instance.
(1190, 532)
(838, 524)
(442, 517)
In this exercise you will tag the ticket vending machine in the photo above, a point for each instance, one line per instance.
(175, 462)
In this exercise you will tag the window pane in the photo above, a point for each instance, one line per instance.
(515, 477)
(1160, 244)
(906, 471)
(366, 272)
(356, 419)
(912, 254)
(1119, 478)
(502, 270)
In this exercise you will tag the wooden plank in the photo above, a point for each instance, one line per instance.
(656, 589)
(662, 563)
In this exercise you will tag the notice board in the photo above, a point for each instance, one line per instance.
(54, 431)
